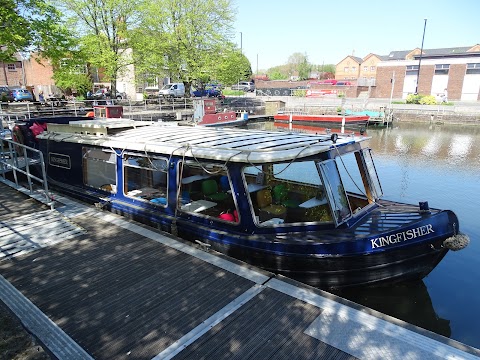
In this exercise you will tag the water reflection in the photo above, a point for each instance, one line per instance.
(454, 144)
(409, 302)
(424, 142)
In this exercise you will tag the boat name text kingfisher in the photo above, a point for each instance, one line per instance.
(402, 236)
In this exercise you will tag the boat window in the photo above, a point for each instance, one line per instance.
(206, 190)
(355, 172)
(99, 169)
(335, 190)
(146, 178)
(372, 172)
(286, 193)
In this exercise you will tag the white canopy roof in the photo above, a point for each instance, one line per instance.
(223, 144)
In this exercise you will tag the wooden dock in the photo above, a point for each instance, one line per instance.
(92, 285)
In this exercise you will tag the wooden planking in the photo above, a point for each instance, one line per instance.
(14, 203)
(120, 295)
(29, 232)
(269, 326)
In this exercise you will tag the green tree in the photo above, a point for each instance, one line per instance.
(184, 40)
(31, 26)
(325, 70)
(298, 64)
(103, 26)
(231, 66)
(72, 73)
(278, 73)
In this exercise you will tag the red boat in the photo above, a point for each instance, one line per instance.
(315, 128)
(326, 119)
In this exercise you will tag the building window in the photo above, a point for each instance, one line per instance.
(354, 68)
(411, 70)
(372, 68)
(11, 67)
(346, 68)
(473, 68)
(441, 69)
(365, 68)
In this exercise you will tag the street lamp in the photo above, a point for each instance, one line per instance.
(420, 59)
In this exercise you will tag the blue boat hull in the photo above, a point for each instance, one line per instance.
(317, 258)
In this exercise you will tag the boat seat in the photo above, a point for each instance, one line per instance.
(267, 209)
(224, 184)
(280, 196)
(210, 191)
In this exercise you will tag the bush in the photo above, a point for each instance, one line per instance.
(421, 99)
(300, 92)
(428, 100)
(413, 99)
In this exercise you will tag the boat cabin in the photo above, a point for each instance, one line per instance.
(108, 111)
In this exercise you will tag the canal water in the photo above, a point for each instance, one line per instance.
(439, 164)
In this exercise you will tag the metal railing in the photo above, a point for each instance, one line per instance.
(10, 160)
(81, 107)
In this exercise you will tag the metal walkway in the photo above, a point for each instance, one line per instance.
(109, 288)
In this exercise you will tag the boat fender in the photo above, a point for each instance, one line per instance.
(457, 242)
(17, 135)
(334, 138)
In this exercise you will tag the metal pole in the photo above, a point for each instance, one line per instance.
(420, 59)
(241, 45)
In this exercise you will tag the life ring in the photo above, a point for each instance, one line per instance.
(90, 114)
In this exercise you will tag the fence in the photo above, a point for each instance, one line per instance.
(57, 106)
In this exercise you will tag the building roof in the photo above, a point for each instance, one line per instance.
(439, 52)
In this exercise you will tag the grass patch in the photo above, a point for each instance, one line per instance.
(229, 92)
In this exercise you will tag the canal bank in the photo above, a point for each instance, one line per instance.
(464, 113)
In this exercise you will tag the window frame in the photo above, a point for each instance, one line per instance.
(442, 69)
(149, 195)
(472, 68)
(106, 156)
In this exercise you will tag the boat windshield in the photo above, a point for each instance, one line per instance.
(312, 191)
(352, 183)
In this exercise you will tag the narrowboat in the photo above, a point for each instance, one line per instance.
(338, 120)
(205, 113)
(307, 206)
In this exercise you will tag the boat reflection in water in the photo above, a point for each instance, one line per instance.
(412, 304)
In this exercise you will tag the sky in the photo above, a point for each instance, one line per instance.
(269, 31)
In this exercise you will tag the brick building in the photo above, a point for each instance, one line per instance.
(348, 68)
(12, 73)
(454, 69)
(33, 73)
